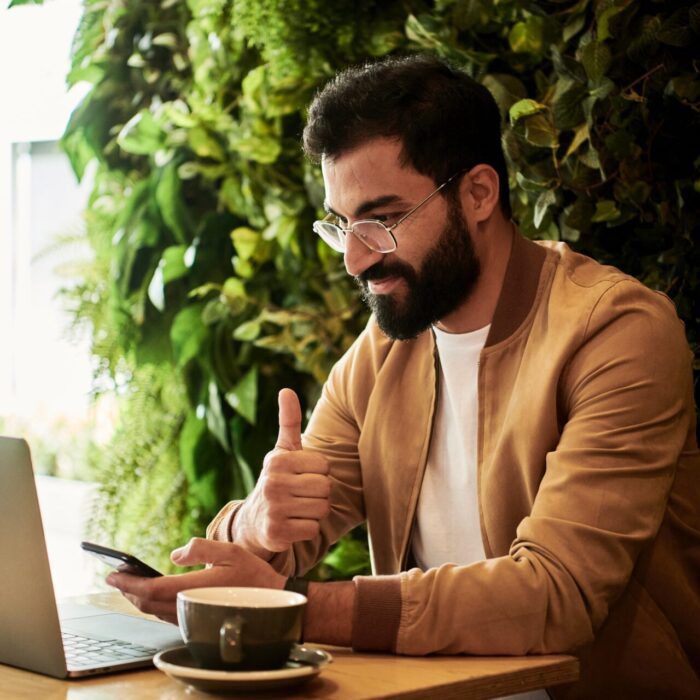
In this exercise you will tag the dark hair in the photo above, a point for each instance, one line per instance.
(445, 120)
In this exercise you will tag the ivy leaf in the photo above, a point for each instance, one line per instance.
(567, 110)
(605, 210)
(525, 108)
(205, 145)
(188, 334)
(169, 199)
(567, 67)
(243, 398)
(141, 135)
(581, 134)
(540, 132)
(544, 201)
(506, 89)
(527, 36)
(245, 240)
(425, 31)
(596, 59)
(608, 15)
(247, 331)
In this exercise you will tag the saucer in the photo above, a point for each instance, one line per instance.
(179, 665)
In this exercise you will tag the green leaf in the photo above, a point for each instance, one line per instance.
(193, 431)
(281, 230)
(243, 398)
(141, 134)
(605, 210)
(540, 132)
(567, 67)
(169, 199)
(425, 31)
(216, 422)
(525, 108)
(245, 241)
(205, 145)
(581, 134)
(596, 59)
(544, 201)
(506, 90)
(173, 263)
(188, 334)
(527, 36)
(249, 330)
(608, 15)
(350, 557)
(567, 110)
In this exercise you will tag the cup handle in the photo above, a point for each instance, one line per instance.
(230, 640)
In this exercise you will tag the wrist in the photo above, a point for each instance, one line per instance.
(242, 535)
(329, 613)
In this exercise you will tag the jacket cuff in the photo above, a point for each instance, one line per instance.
(377, 613)
(220, 528)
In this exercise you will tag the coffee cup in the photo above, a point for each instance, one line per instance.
(240, 629)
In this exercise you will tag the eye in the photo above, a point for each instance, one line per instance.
(385, 218)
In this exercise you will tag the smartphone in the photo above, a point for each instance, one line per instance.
(121, 561)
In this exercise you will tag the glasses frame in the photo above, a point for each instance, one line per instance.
(317, 225)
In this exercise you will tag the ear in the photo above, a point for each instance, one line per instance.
(482, 190)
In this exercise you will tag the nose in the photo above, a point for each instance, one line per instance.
(358, 257)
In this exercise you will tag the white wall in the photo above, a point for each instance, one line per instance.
(44, 378)
(41, 373)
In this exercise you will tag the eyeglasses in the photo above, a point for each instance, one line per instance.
(374, 234)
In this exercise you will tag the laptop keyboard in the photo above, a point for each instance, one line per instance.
(83, 651)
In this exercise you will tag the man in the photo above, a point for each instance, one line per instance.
(516, 423)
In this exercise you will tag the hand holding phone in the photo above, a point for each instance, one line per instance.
(121, 561)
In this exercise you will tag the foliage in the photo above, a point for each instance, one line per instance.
(141, 483)
(202, 206)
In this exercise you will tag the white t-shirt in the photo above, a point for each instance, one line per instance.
(447, 527)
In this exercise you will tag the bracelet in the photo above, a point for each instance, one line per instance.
(297, 585)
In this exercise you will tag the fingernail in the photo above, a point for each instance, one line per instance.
(110, 580)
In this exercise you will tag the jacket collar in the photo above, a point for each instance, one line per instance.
(519, 288)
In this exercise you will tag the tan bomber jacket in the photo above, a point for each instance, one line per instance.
(588, 478)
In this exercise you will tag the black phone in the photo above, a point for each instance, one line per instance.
(121, 561)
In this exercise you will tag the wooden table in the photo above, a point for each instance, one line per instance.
(351, 676)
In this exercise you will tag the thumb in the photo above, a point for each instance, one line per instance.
(289, 436)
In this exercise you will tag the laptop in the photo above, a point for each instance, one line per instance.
(64, 640)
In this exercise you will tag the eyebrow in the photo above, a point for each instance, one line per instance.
(367, 206)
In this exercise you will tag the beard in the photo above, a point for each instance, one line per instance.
(445, 279)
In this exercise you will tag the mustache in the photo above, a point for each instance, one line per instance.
(382, 269)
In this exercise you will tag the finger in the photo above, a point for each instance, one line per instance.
(202, 551)
(310, 486)
(308, 508)
(297, 462)
(165, 610)
(289, 436)
(300, 529)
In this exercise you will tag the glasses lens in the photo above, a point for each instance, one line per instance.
(331, 234)
(375, 236)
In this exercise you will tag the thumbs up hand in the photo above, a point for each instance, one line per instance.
(292, 494)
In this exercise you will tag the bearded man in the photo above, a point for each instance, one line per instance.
(515, 425)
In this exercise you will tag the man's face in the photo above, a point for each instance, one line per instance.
(434, 267)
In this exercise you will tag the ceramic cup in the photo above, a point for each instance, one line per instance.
(240, 629)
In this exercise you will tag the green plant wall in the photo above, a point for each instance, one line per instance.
(201, 213)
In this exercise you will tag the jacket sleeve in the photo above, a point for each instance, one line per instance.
(333, 430)
(627, 399)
